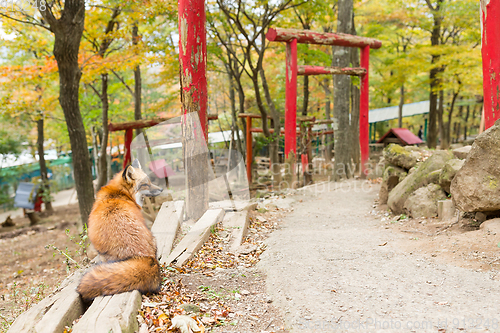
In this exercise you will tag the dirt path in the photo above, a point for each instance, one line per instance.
(335, 267)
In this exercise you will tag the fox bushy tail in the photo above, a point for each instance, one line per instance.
(142, 273)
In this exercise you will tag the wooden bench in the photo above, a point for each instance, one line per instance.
(118, 313)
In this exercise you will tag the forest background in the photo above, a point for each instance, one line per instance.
(125, 58)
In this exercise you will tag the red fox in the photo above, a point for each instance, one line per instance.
(119, 233)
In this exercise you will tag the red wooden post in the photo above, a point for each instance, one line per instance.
(249, 150)
(193, 59)
(291, 112)
(129, 135)
(291, 98)
(363, 109)
(490, 18)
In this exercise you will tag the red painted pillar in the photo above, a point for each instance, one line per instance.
(129, 135)
(249, 150)
(291, 98)
(193, 59)
(490, 18)
(363, 109)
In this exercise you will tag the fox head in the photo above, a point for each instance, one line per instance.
(139, 182)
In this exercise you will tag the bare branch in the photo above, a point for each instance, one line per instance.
(27, 22)
(124, 83)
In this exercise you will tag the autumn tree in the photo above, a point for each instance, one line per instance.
(65, 20)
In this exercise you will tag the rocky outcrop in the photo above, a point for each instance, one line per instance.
(401, 157)
(462, 152)
(476, 186)
(392, 176)
(426, 173)
(424, 201)
(448, 172)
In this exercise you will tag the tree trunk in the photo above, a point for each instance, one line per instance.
(68, 31)
(274, 145)
(440, 112)
(401, 104)
(466, 122)
(103, 161)
(432, 130)
(328, 137)
(43, 168)
(193, 91)
(137, 81)
(355, 104)
(342, 85)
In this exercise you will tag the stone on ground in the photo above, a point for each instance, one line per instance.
(448, 172)
(424, 201)
(446, 210)
(476, 186)
(491, 226)
(392, 176)
(401, 157)
(462, 152)
(424, 174)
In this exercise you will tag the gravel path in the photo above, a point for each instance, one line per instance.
(333, 267)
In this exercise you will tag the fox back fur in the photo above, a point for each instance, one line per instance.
(119, 233)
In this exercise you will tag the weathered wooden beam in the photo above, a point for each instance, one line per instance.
(319, 70)
(195, 238)
(167, 223)
(143, 123)
(116, 314)
(54, 312)
(323, 38)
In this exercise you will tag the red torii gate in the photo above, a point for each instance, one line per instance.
(490, 18)
(129, 127)
(292, 37)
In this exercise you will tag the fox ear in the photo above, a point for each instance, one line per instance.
(127, 173)
(136, 164)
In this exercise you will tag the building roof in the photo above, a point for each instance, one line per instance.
(392, 112)
(402, 134)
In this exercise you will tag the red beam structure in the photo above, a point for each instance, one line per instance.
(128, 127)
(293, 36)
(250, 130)
(490, 18)
(321, 38)
(318, 70)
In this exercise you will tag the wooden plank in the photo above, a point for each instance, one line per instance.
(234, 205)
(237, 223)
(116, 313)
(54, 312)
(166, 225)
(195, 238)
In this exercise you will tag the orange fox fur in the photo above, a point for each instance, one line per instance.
(119, 233)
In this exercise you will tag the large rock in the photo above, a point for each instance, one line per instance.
(448, 172)
(476, 186)
(401, 157)
(392, 176)
(425, 174)
(491, 227)
(424, 201)
(462, 152)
